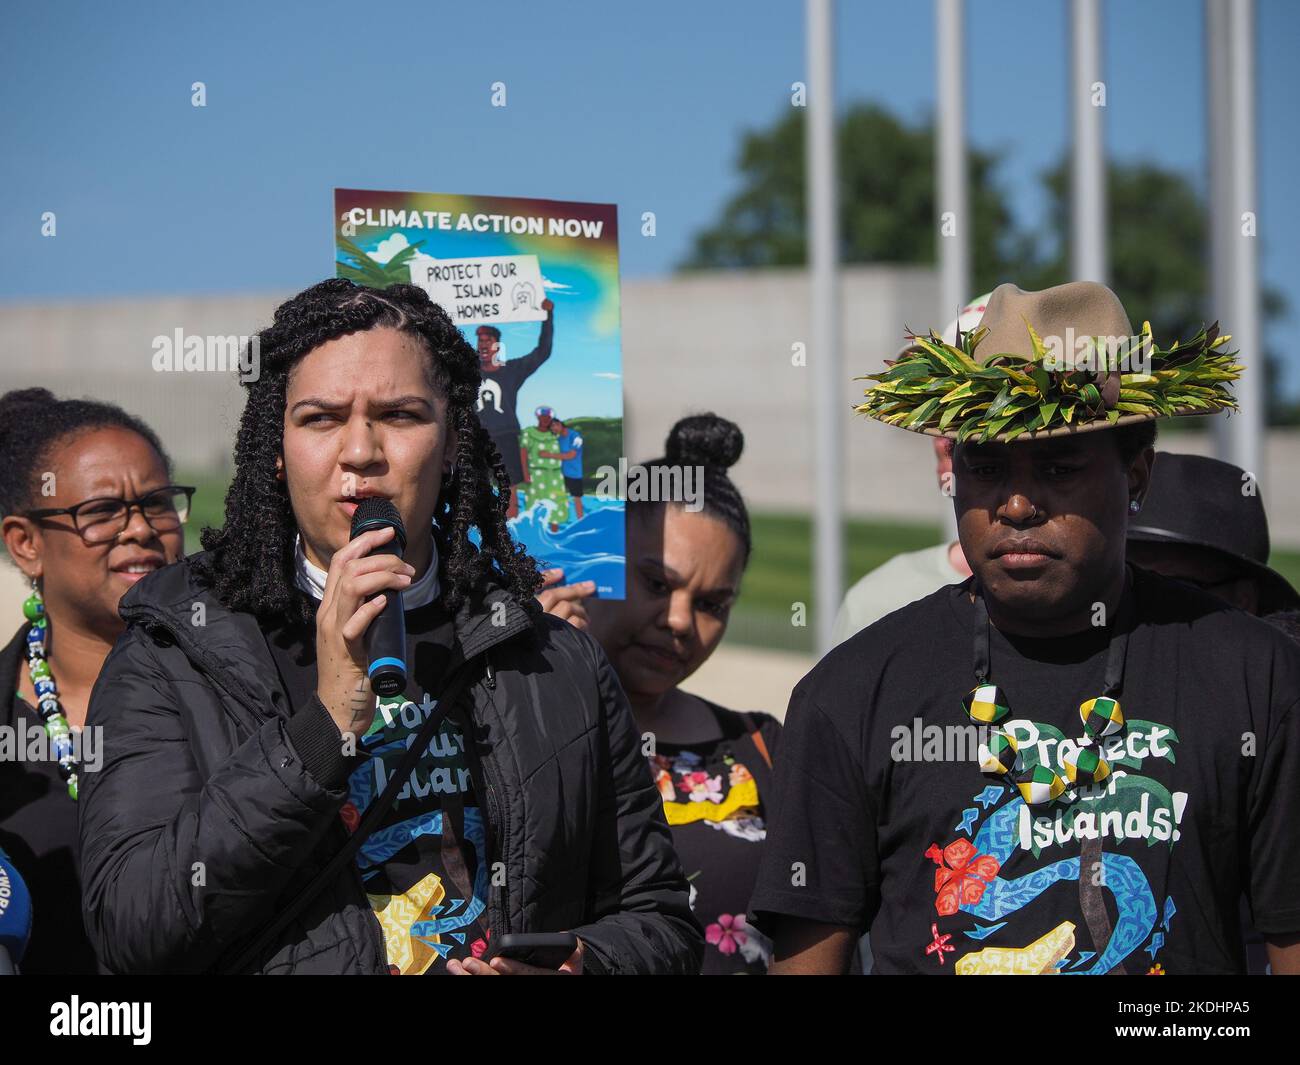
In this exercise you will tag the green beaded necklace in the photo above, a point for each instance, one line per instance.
(47, 692)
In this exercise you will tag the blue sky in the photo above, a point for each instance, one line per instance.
(633, 104)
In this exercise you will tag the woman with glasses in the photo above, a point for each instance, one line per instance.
(261, 809)
(88, 509)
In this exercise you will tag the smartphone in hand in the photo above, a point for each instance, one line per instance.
(543, 950)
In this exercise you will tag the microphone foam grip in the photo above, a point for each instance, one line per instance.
(374, 512)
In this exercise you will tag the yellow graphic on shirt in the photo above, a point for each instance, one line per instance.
(743, 795)
(1037, 959)
(399, 913)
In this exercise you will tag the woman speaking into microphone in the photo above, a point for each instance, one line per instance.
(260, 809)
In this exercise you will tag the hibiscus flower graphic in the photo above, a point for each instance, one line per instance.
(962, 876)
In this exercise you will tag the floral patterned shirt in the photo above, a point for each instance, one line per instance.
(714, 796)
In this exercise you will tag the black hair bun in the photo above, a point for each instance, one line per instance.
(705, 440)
(22, 397)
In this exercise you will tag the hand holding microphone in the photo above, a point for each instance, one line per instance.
(360, 627)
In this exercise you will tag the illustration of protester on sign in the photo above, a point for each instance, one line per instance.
(500, 392)
(533, 285)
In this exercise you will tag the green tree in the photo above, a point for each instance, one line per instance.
(887, 201)
(1159, 258)
(1157, 223)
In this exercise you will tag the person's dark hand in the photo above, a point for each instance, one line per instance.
(548, 306)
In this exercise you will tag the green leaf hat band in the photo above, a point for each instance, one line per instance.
(1021, 386)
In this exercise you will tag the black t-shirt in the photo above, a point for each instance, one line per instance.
(38, 830)
(715, 800)
(499, 392)
(886, 821)
(425, 865)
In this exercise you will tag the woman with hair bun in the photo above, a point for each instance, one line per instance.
(712, 765)
(87, 509)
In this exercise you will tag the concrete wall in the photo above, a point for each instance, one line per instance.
(723, 341)
(104, 350)
(720, 341)
(709, 341)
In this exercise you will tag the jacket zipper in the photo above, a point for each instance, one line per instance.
(498, 812)
(495, 809)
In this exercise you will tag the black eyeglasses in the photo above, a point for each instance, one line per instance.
(105, 518)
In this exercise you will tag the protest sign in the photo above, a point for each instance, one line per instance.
(533, 286)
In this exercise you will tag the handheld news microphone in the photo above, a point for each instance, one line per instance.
(15, 916)
(386, 637)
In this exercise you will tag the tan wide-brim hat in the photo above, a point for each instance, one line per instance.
(1057, 318)
(1080, 308)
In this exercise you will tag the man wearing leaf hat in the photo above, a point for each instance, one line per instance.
(1064, 764)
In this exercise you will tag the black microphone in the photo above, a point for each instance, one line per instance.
(386, 637)
(15, 916)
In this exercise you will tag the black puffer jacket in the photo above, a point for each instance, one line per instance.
(204, 821)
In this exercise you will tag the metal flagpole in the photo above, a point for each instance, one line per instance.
(1245, 429)
(1088, 252)
(952, 195)
(829, 391)
(1219, 221)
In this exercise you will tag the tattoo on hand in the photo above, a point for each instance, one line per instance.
(360, 703)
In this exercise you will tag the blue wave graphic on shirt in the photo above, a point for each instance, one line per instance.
(384, 844)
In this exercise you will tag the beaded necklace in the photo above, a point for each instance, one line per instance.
(1101, 717)
(47, 692)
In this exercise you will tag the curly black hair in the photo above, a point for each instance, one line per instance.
(250, 561)
(1133, 439)
(33, 422)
